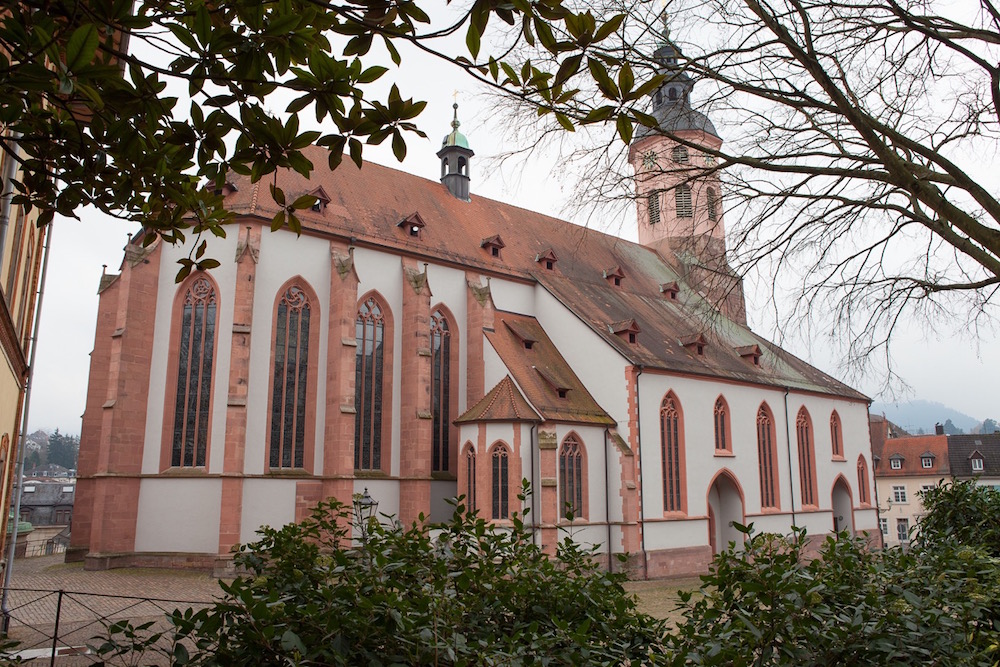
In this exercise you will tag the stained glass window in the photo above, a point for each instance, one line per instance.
(721, 425)
(501, 492)
(440, 391)
(368, 383)
(807, 466)
(195, 358)
(672, 449)
(571, 477)
(766, 453)
(288, 392)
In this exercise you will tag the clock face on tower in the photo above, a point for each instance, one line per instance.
(649, 159)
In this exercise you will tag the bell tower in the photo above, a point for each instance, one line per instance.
(456, 157)
(678, 192)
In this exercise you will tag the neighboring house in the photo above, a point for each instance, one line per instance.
(422, 342)
(975, 456)
(21, 244)
(48, 506)
(905, 466)
(51, 471)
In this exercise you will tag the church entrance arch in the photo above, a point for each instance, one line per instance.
(725, 507)
(843, 508)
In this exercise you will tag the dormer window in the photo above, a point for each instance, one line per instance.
(627, 329)
(227, 188)
(977, 460)
(695, 343)
(614, 275)
(927, 460)
(547, 259)
(525, 337)
(670, 290)
(896, 462)
(322, 199)
(493, 245)
(413, 225)
(750, 353)
(558, 385)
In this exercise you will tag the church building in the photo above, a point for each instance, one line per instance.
(421, 342)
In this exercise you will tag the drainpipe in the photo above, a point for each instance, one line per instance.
(788, 447)
(10, 168)
(642, 511)
(19, 466)
(607, 497)
(536, 487)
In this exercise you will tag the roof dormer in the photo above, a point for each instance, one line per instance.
(547, 259)
(695, 343)
(614, 275)
(413, 225)
(493, 245)
(627, 329)
(558, 386)
(670, 290)
(525, 337)
(322, 199)
(750, 353)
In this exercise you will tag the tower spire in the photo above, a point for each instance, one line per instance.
(455, 155)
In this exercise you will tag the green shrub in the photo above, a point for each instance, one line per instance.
(963, 511)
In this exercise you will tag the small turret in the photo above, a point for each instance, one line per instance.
(456, 158)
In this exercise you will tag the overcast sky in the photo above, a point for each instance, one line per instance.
(944, 363)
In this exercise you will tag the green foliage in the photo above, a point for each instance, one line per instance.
(63, 449)
(465, 593)
(774, 604)
(963, 511)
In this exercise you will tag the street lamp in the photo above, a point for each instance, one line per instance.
(365, 508)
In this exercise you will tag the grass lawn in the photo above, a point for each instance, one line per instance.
(659, 597)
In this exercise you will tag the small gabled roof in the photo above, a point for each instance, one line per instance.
(624, 326)
(494, 240)
(671, 288)
(522, 333)
(927, 454)
(963, 448)
(412, 220)
(502, 403)
(546, 254)
(320, 194)
(614, 272)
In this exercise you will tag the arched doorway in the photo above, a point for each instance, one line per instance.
(725, 506)
(843, 507)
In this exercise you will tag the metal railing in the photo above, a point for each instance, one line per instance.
(60, 627)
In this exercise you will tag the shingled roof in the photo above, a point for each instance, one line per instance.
(366, 205)
(503, 403)
(963, 448)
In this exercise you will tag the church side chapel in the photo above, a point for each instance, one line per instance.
(420, 342)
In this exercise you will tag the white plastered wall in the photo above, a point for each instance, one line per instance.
(178, 515)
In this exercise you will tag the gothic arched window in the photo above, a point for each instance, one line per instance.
(369, 382)
(470, 478)
(571, 477)
(836, 435)
(500, 487)
(863, 496)
(767, 455)
(807, 457)
(440, 391)
(289, 428)
(195, 360)
(723, 437)
(672, 454)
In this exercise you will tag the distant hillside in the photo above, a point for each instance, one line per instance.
(916, 415)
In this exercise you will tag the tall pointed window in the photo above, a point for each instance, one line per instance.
(500, 488)
(289, 390)
(672, 454)
(682, 201)
(767, 458)
(713, 204)
(807, 457)
(369, 382)
(470, 478)
(723, 437)
(571, 477)
(440, 391)
(836, 436)
(195, 358)
(864, 497)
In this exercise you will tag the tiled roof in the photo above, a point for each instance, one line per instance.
(366, 205)
(503, 403)
(910, 450)
(961, 448)
(547, 380)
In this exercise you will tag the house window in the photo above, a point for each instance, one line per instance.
(896, 464)
(672, 451)
(682, 201)
(767, 455)
(977, 465)
(470, 478)
(713, 204)
(195, 357)
(291, 372)
(495, 251)
(369, 380)
(863, 495)
(883, 525)
(680, 154)
(571, 477)
(926, 487)
(926, 462)
(548, 264)
(440, 391)
(836, 437)
(499, 478)
(317, 206)
(722, 435)
(807, 463)
(899, 494)
(902, 530)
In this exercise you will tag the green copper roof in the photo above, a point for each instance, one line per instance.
(455, 138)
